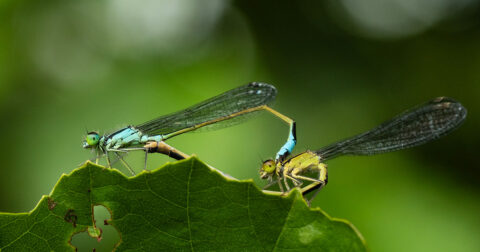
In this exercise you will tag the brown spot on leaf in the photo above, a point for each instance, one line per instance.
(71, 217)
(51, 204)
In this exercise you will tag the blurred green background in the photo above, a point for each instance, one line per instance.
(340, 66)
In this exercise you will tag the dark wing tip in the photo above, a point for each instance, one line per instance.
(264, 85)
(454, 111)
(260, 84)
(450, 103)
(265, 89)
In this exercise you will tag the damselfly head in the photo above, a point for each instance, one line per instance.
(91, 140)
(267, 169)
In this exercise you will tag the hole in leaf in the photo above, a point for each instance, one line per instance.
(102, 237)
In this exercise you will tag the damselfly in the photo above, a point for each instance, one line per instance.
(411, 128)
(227, 107)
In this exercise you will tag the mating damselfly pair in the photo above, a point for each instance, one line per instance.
(411, 128)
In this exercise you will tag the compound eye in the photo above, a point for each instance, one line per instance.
(92, 139)
(268, 166)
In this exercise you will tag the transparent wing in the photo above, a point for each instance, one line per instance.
(236, 100)
(411, 128)
(228, 123)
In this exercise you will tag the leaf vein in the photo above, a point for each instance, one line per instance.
(158, 196)
(283, 227)
(188, 204)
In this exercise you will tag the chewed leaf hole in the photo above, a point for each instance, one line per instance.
(101, 237)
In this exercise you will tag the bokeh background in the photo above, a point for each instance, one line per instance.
(340, 66)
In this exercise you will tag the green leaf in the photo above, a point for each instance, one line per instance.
(180, 206)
